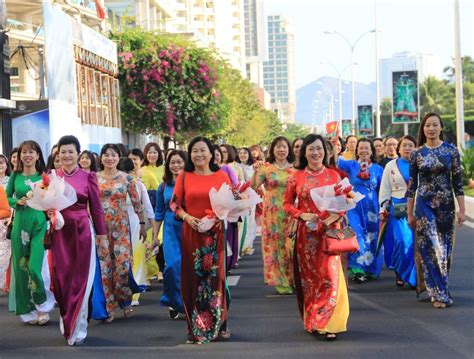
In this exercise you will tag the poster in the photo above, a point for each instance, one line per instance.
(346, 128)
(365, 120)
(405, 97)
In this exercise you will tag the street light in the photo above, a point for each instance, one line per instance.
(352, 46)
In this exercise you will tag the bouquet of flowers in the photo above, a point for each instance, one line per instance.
(229, 203)
(335, 198)
(52, 193)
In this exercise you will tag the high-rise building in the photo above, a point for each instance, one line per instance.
(256, 40)
(425, 64)
(278, 71)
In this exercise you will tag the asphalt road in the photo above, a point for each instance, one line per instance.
(385, 322)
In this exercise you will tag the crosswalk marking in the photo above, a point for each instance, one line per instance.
(232, 280)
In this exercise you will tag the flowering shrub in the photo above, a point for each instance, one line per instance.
(168, 85)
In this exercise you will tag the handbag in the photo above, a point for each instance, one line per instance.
(337, 241)
(400, 210)
(8, 234)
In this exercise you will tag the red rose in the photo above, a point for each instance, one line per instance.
(207, 262)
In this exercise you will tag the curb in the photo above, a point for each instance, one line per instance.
(469, 202)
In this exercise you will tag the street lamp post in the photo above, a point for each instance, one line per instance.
(352, 46)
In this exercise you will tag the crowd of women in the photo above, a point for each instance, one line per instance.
(133, 206)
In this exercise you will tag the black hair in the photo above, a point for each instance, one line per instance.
(123, 149)
(148, 147)
(189, 166)
(421, 132)
(137, 152)
(39, 164)
(230, 153)
(218, 149)
(365, 139)
(69, 140)
(250, 161)
(168, 176)
(347, 139)
(271, 156)
(10, 155)
(50, 162)
(303, 161)
(125, 165)
(104, 149)
(92, 158)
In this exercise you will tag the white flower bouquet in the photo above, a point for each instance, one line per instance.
(52, 193)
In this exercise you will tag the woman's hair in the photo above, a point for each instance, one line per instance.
(218, 149)
(250, 159)
(330, 149)
(387, 138)
(125, 165)
(69, 140)
(303, 161)
(378, 139)
(147, 148)
(230, 152)
(421, 132)
(168, 176)
(189, 166)
(365, 139)
(39, 165)
(10, 155)
(50, 162)
(260, 152)
(104, 149)
(123, 149)
(348, 137)
(296, 140)
(271, 156)
(8, 170)
(406, 137)
(137, 152)
(93, 167)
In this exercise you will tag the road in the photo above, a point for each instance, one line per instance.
(385, 322)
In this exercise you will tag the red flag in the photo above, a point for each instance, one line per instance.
(331, 128)
(100, 10)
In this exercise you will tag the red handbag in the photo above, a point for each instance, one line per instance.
(337, 241)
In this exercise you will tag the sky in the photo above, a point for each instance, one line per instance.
(417, 26)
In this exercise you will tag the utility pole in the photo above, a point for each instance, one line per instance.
(458, 76)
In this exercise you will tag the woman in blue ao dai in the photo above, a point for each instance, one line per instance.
(365, 176)
(435, 172)
(397, 232)
(171, 234)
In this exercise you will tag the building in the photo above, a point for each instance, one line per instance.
(278, 71)
(425, 64)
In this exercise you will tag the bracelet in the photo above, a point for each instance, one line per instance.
(184, 217)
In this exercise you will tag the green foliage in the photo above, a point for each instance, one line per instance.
(294, 131)
(467, 164)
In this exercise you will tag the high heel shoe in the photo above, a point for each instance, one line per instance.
(330, 337)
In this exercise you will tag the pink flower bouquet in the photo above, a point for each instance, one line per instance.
(336, 198)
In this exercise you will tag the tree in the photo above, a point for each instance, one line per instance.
(293, 131)
(467, 70)
(435, 96)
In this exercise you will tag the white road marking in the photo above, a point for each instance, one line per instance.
(232, 280)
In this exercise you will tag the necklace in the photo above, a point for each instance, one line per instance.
(74, 171)
(281, 168)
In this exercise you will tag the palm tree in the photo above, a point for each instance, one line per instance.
(467, 70)
(434, 96)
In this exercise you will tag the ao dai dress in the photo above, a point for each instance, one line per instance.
(364, 219)
(115, 253)
(5, 248)
(434, 174)
(319, 279)
(277, 245)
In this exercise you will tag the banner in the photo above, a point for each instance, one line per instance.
(365, 120)
(405, 97)
(331, 129)
(346, 128)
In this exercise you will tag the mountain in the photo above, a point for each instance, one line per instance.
(313, 100)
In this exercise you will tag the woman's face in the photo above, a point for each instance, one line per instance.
(391, 147)
(336, 144)
(351, 144)
(176, 165)
(152, 155)
(406, 148)
(225, 155)
(379, 148)
(14, 160)
(3, 166)
(85, 162)
(217, 157)
(315, 154)
(364, 151)
(432, 128)
(297, 148)
(110, 159)
(281, 150)
(28, 156)
(67, 156)
(243, 156)
(137, 161)
(200, 154)
(255, 154)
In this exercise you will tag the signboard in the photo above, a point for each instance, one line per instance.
(365, 120)
(346, 128)
(405, 97)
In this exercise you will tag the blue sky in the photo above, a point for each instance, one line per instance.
(418, 26)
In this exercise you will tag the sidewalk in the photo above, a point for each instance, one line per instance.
(469, 207)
